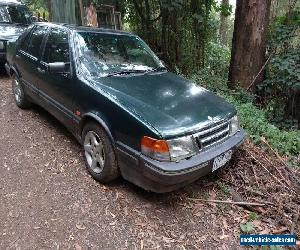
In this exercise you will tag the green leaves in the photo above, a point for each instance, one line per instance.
(279, 91)
(276, 248)
(173, 5)
(284, 71)
(198, 17)
(225, 9)
(247, 227)
(253, 216)
(253, 120)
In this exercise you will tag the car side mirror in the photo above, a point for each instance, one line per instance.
(58, 67)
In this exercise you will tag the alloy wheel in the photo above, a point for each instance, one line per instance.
(17, 90)
(94, 152)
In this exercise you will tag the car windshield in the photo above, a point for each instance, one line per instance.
(15, 14)
(102, 55)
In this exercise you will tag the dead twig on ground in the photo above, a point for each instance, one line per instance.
(256, 192)
(280, 231)
(255, 175)
(283, 197)
(280, 173)
(236, 197)
(274, 177)
(295, 221)
(287, 167)
(231, 202)
(274, 151)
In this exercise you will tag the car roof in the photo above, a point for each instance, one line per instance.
(83, 28)
(10, 2)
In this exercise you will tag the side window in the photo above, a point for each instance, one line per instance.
(36, 40)
(57, 47)
(24, 40)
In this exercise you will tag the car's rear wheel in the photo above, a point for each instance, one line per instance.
(100, 158)
(18, 91)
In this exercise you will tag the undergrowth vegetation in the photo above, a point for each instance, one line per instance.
(253, 119)
(280, 92)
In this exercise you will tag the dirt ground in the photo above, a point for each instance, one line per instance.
(48, 200)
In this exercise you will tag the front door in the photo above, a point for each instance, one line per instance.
(56, 88)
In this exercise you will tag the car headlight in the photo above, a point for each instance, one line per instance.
(171, 150)
(234, 125)
(1, 45)
(182, 147)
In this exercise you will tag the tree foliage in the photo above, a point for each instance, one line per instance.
(38, 6)
(280, 92)
(178, 30)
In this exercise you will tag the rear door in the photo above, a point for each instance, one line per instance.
(56, 88)
(27, 59)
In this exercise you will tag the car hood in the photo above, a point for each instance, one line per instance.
(169, 103)
(11, 32)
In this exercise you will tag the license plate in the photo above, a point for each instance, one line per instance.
(221, 160)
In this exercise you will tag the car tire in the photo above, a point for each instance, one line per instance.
(19, 95)
(99, 154)
(2, 68)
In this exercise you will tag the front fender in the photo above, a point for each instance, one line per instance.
(14, 70)
(103, 122)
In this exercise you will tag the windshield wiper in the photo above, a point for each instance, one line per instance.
(125, 72)
(21, 24)
(158, 69)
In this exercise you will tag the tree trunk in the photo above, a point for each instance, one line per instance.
(224, 24)
(249, 42)
(148, 24)
(164, 35)
(49, 10)
(81, 10)
(64, 11)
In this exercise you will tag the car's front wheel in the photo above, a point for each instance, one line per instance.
(99, 154)
(18, 91)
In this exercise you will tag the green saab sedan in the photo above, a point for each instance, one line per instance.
(132, 117)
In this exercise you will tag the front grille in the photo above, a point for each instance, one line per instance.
(213, 135)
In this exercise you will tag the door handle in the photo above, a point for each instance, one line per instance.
(42, 71)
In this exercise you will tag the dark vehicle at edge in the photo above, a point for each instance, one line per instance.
(14, 18)
(132, 117)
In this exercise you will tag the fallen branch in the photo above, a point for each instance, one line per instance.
(230, 202)
(281, 160)
(255, 176)
(281, 183)
(265, 202)
(256, 192)
(236, 197)
(274, 151)
(261, 70)
(269, 161)
(280, 231)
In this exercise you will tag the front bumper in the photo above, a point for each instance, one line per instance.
(161, 177)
